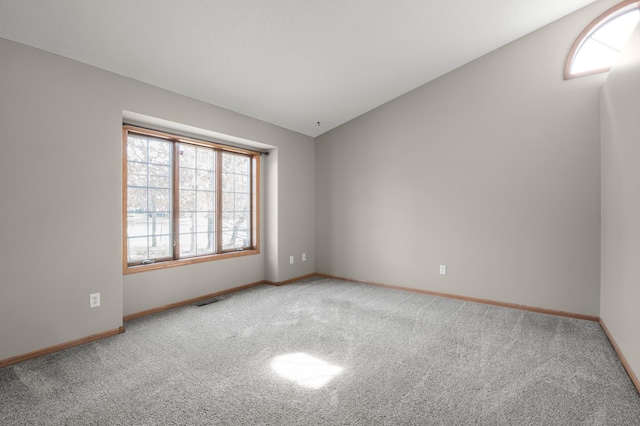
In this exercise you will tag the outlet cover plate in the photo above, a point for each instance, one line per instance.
(94, 300)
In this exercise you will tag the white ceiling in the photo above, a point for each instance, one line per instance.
(288, 62)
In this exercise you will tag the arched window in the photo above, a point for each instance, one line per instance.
(597, 47)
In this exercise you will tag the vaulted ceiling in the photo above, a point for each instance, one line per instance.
(293, 63)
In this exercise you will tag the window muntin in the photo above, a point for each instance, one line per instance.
(178, 194)
(597, 47)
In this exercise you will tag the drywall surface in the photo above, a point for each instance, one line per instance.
(60, 182)
(295, 235)
(620, 285)
(492, 170)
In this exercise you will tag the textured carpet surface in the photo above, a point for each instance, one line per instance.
(327, 352)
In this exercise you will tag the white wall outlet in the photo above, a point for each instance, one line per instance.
(304, 257)
(443, 269)
(94, 300)
(291, 259)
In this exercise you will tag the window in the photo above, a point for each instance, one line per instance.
(186, 200)
(597, 47)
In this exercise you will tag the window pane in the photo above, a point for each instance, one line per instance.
(205, 222)
(228, 182)
(228, 201)
(148, 198)
(137, 224)
(159, 151)
(159, 200)
(138, 249)
(206, 180)
(242, 202)
(159, 176)
(197, 198)
(150, 246)
(137, 174)
(137, 200)
(206, 201)
(236, 201)
(187, 222)
(242, 183)
(228, 240)
(187, 178)
(227, 163)
(206, 159)
(593, 56)
(160, 246)
(205, 242)
(187, 155)
(137, 149)
(242, 165)
(599, 50)
(187, 244)
(187, 201)
(616, 32)
(197, 234)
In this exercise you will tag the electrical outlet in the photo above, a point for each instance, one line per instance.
(94, 300)
(291, 259)
(443, 269)
(304, 257)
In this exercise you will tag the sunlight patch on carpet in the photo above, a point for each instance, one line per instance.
(305, 370)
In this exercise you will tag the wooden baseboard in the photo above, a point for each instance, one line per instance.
(57, 348)
(60, 347)
(474, 299)
(189, 301)
(209, 296)
(625, 363)
(46, 351)
(292, 280)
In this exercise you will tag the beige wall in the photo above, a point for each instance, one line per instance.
(492, 169)
(60, 184)
(620, 286)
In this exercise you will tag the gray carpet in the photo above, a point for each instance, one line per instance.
(327, 352)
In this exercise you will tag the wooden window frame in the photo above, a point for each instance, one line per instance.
(176, 260)
(602, 20)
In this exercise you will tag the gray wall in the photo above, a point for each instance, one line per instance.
(620, 286)
(492, 169)
(60, 184)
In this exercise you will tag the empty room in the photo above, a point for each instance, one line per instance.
(320, 212)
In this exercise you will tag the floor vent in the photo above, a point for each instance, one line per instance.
(207, 301)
